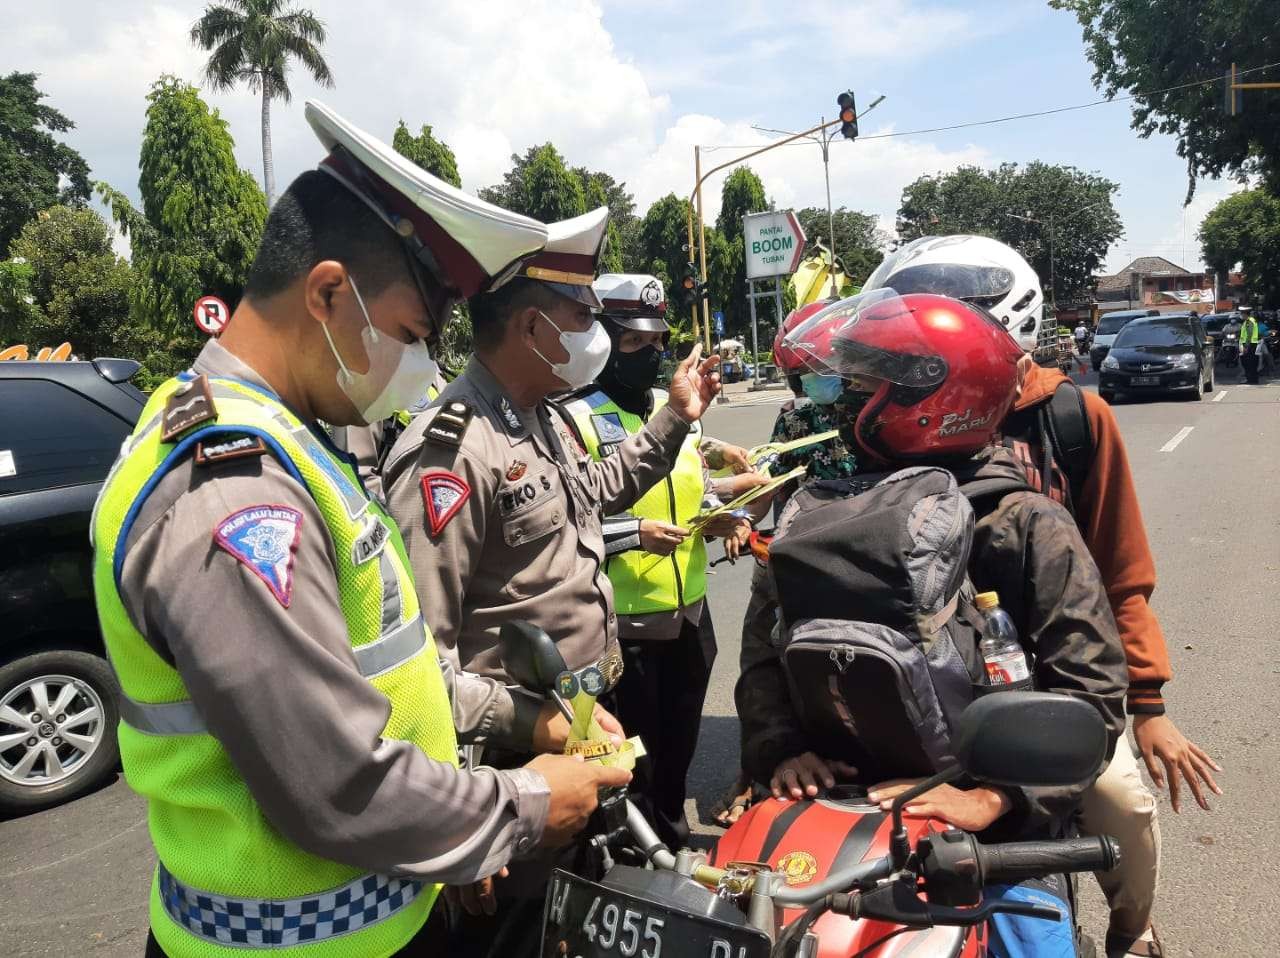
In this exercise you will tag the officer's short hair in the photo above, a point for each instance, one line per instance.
(316, 219)
(491, 311)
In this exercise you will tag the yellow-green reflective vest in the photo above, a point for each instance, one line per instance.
(226, 880)
(641, 582)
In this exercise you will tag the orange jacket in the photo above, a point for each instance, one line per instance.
(1110, 521)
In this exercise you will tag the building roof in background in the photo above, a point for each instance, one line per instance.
(1147, 266)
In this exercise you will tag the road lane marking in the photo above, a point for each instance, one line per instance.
(1181, 434)
(1221, 396)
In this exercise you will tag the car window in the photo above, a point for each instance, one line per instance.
(1156, 333)
(1110, 325)
(53, 436)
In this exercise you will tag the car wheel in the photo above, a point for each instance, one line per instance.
(58, 716)
(1199, 393)
(1107, 395)
(1208, 386)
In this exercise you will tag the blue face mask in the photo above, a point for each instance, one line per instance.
(824, 390)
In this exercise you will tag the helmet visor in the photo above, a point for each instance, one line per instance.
(982, 285)
(872, 335)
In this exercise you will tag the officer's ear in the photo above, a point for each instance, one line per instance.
(524, 325)
(321, 286)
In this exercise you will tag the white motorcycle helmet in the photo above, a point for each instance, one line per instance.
(976, 269)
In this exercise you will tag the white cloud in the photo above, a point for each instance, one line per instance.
(492, 79)
(1177, 240)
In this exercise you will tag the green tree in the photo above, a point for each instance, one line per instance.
(80, 287)
(663, 235)
(1058, 217)
(36, 170)
(1244, 230)
(550, 190)
(742, 193)
(1170, 46)
(253, 41)
(426, 151)
(858, 238)
(18, 311)
(201, 215)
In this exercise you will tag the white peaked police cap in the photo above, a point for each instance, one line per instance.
(469, 246)
(569, 261)
(633, 301)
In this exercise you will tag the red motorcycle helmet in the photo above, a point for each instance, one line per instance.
(788, 361)
(940, 374)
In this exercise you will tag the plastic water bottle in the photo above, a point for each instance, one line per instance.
(1002, 653)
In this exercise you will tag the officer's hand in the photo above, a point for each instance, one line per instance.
(661, 538)
(735, 458)
(551, 729)
(477, 898)
(694, 385)
(574, 785)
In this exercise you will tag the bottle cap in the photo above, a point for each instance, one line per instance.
(986, 601)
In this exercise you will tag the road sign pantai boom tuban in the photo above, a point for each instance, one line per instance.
(774, 244)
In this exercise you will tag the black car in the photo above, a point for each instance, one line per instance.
(61, 428)
(1109, 326)
(1166, 353)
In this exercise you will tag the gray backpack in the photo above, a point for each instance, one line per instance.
(879, 635)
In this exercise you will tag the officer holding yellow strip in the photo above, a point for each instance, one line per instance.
(285, 713)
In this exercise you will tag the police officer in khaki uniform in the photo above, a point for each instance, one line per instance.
(501, 507)
(284, 711)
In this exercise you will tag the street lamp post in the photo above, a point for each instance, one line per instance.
(1053, 268)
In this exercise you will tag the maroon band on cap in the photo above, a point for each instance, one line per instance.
(463, 273)
(634, 304)
(564, 262)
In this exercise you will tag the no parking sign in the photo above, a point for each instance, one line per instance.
(211, 315)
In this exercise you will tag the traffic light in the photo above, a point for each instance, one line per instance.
(848, 115)
(692, 290)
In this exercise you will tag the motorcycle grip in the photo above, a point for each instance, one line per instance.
(1015, 861)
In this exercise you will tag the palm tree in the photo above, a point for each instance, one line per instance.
(253, 41)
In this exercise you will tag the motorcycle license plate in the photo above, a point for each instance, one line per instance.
(586, 920)
(1144, 380)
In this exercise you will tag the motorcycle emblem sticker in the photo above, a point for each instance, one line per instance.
(797, 867)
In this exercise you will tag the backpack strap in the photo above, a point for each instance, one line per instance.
(1067, 424)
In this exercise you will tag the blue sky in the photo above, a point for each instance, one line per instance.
(629, 86)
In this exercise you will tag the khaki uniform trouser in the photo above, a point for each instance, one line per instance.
(1121, 805)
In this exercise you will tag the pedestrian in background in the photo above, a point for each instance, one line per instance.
(1249, 340)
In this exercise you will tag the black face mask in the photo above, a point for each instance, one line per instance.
(636, 371)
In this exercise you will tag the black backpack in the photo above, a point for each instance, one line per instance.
(879, 637)
(1061, 430)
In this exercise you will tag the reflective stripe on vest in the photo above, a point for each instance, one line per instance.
(281, 923)
(220, 857)
(642, 583)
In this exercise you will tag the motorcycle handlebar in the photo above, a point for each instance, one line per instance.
(1015, 861)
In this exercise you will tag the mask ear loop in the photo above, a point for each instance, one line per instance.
(325, 326)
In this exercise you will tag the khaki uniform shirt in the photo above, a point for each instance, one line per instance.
(525, 539)
(280, 690)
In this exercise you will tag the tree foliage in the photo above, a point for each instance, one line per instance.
(33, 163)
(1023, 207)
(859, 239)
(80, 288)
(201, 215)
(1160, 50)
(426, 151)
(1244, 230)
(253, 41)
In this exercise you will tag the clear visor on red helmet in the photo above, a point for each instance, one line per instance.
(872, 335)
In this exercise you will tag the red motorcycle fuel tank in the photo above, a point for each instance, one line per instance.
(807, 840)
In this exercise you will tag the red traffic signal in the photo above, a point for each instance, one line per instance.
(848, 115)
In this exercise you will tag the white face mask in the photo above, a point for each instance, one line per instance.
(588, 352)
(398, 375)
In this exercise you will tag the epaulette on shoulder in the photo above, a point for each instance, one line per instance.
(190, 405)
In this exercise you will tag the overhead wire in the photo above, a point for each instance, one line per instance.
(1021, 116)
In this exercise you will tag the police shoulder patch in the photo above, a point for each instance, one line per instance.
(190, 405)
(235, 447)
(608, 427)
(443, 495)
(449, 424)
(265, 539)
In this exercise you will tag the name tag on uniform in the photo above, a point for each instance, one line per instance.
(520, 494)
(609, 428)
(370, 542)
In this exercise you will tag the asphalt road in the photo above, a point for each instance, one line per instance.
(73, 880)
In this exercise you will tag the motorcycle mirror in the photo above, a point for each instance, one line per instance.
(1031, 738)
(530, 656)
